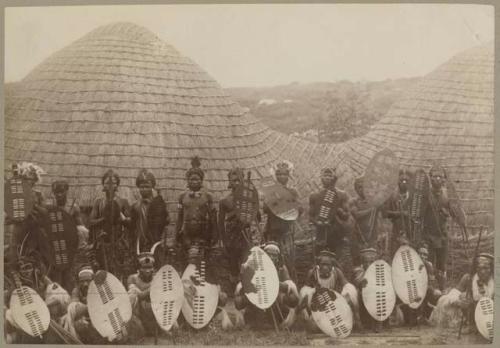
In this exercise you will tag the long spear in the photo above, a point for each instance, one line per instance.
(111, 193)
(469, 288)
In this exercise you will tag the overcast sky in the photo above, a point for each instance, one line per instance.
(264, 45)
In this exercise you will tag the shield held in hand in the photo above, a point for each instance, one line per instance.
(281, 201)
(409, 276)
(109, 306)
(167, 296)
(484, 317)
(18, 199)
(381, 178)
(29, 311)
(331, 313)
(455, 206)
(259, 279)
(378, 295)
(199, 306)
(63, 237)
(246, 198)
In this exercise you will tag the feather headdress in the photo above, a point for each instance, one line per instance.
(283, 166)
(195, 168)
(29, 170)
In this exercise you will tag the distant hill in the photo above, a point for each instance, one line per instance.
(339, 110)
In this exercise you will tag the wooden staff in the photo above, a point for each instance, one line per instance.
(278, 309)
(274, 320)
(63, 334)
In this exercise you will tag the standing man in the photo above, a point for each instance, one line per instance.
(65, 276)
(30, 234)
(436, 223)
(329, 215)
(197, 216)
(109, 219)
(366, 218)
(397, 209)
(149, 215)
(237, 236)
(279, 230)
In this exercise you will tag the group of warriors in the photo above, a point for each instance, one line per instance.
(121, 274)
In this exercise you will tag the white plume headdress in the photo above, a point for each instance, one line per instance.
(30, 170)
(282, 165)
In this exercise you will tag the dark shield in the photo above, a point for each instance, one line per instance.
(18, 199)
(381, 178)
(246, 199)
(455, 205)
(420, 198)
(63, 237)
(280, 201)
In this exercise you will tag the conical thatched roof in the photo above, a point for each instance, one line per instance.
(447, 117)
(121, 98)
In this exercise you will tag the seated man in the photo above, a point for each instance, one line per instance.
(195, 254)
(29, 271)
(433, 292)
(77, 320)
(462, 299)
(327, 274)
(282, 311)
(368, 256)
(138, 289)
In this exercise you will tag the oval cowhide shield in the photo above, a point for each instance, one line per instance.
(167, 296)
(381, 177)
(199, 306)
(259, 279)
(409, 276)
(484, 317)
(332, 313)
(29, 311)
(378, 294)
(109, 305)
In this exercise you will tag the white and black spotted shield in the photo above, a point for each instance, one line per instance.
(29, 311)
(63, 237)
(378, 295)
(199, 308)
(259, 279)
(409, 276)
(18, 199)
(167, 296)
(484, 317)
(331, 313)
(109, 306)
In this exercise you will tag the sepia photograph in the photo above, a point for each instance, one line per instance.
(249, 174)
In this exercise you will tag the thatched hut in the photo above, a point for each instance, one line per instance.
(447, 118)
(121, 98)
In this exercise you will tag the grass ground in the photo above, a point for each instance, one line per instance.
(215, 336)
